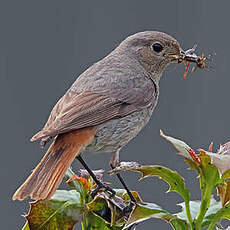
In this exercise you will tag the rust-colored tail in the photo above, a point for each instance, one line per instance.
(47, 175)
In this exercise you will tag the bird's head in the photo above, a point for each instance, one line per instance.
(153, 49)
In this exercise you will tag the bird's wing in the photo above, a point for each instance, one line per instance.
(78, 110)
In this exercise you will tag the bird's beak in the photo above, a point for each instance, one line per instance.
(174, 57)
(185, 56)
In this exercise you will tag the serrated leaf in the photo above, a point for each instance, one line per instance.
(144, 211)
(181, 146)
(178, 224)
(223, 213)
(209, 173)
(63, 211)
(193, 165)
(175, 181)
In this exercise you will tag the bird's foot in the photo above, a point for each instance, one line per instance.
(102, 187)
(123, 166)
(128, 208)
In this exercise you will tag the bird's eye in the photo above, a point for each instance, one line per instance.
(157, 47)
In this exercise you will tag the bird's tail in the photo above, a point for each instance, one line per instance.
(47, 175)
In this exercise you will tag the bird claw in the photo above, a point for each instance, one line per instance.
(128, 208)
(102, 187)
(124, 166)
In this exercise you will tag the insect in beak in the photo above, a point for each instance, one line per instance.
(188, 57)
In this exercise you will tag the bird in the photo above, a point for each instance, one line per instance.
(105, 108)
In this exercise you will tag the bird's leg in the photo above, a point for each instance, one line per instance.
(114, 162)
(100, 185)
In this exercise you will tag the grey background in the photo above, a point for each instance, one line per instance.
(44, 45)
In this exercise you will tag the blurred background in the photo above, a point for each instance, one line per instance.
(45, 45)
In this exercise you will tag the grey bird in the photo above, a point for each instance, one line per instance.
(103, 110)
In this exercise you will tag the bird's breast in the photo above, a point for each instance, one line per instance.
(114, 134)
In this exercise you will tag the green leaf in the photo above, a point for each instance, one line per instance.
(175, 181)
(62, 211)
(178, 224)
(195, 207)
(110, 209)
(181, 146)
(209, 177)
(65, 195)
(135, 195)
(223, 213)
(214, 207)
(120, 192)
(100, 206)
(144, 211)
(94, 222)
(75, 184)
(217, 228)
(193, 165)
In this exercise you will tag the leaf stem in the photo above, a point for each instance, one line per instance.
(205, 203)
(212, 225)
(83, 222)
(82, 226)
(188, 213)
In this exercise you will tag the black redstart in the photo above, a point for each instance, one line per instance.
(104, 109)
